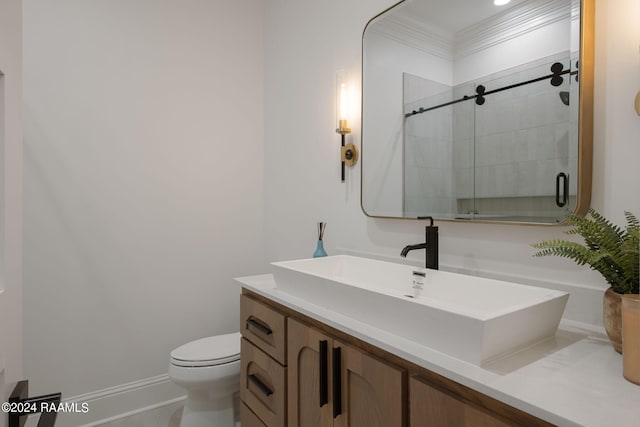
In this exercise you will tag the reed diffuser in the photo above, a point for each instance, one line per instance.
(320, 247)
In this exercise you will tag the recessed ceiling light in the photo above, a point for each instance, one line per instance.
(500, 2)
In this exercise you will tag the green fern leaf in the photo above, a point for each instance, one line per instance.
(609, 249)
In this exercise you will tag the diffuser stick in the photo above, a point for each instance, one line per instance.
(321, 227)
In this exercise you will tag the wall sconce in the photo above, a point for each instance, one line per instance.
(344, 111)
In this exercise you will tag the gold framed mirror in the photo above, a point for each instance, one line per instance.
(478, 112)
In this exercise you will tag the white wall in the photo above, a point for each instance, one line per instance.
(307, 41)
(143, 182)
(10, 196)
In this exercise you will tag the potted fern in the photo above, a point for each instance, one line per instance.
(609, 249)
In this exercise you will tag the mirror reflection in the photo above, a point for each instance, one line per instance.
(471, 111)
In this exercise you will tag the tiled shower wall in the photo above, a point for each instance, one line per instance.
(428, 159)
(501, 157)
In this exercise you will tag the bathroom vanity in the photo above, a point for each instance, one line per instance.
(355, 382)
(306, 364)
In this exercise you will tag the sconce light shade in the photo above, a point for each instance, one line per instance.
(344, 112)
(343, 103)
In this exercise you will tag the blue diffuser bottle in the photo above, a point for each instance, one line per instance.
(320, 247)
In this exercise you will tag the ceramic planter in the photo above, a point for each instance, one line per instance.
(612, 314)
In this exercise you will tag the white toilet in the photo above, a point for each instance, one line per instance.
(209, 369)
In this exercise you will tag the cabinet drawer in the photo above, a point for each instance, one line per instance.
(264, 327)
(248, 418)
(263, 385)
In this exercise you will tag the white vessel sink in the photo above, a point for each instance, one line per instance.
(467, 317)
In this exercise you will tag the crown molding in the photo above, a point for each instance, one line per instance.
(417, 35)
(508, 25)
(511, 24)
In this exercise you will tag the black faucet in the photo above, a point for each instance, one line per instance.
(430, 245)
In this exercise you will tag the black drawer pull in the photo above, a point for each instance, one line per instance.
(261, 386)
(259, 326)
(324, 373)
(337, 382)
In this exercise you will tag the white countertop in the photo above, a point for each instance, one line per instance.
(572, 379)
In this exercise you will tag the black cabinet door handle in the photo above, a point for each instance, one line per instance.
(324, 373)
(337, 382)
(259, 326)
(561, 202)
(261, 386)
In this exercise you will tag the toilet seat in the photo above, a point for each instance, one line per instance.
(210, 351)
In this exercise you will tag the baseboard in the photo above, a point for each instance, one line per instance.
(118, 402)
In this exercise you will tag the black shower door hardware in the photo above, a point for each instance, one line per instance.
(561, 200)
(556, 79)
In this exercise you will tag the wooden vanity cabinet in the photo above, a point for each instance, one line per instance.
(335, 384)
(308, 385)
(249, 419)
(263, 385)
(263, 370)
(317, 376)
(265, 327)
(373, 391)
(433, 407)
